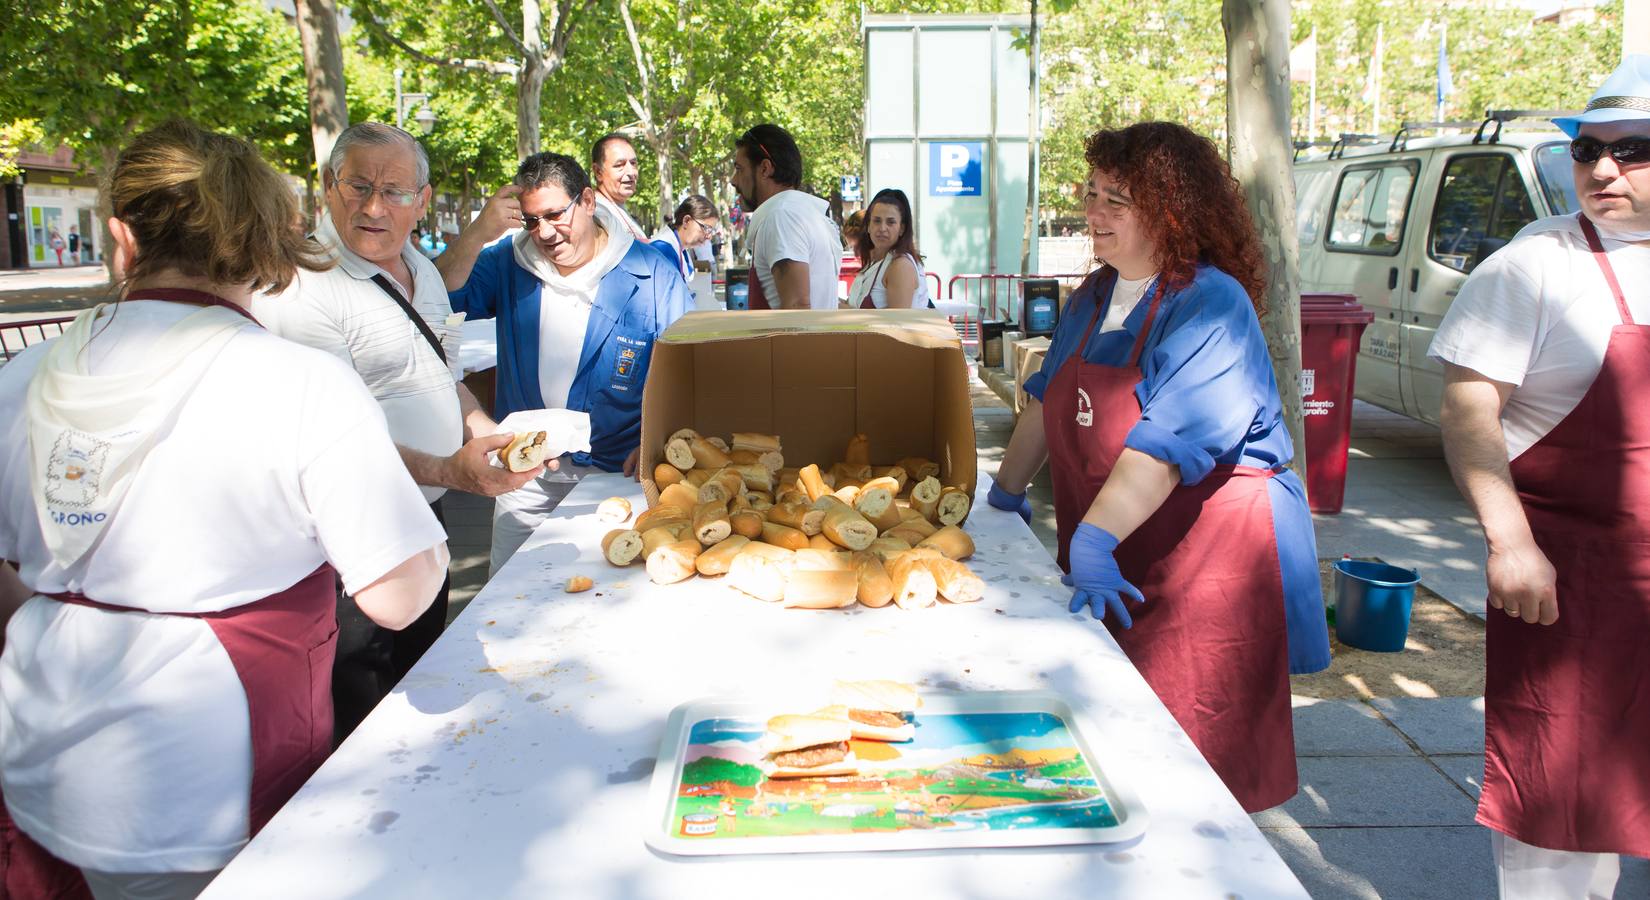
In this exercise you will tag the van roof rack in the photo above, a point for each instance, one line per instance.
(1300, 145)
(1501, 117)
(1400, 141)
(1347, 138)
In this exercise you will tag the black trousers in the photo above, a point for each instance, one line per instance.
(372, 660)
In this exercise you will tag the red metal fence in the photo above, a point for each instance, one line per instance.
(14, 336)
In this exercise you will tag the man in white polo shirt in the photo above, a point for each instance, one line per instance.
(616, 175)
(796, 251)
(383, 309)
(1545, 351)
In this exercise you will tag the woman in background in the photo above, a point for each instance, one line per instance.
(891, 276)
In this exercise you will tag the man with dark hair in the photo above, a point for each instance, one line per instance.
(795, 251)
(613, 166)
(579, 303)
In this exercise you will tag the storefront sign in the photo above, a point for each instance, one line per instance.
(954, 170)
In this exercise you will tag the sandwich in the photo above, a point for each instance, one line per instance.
(807, 747)
(876, 710)
(525, 451)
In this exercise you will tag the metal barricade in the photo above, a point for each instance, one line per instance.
(14, 336)
(997, 297)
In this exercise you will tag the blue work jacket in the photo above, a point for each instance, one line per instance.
(634, 304)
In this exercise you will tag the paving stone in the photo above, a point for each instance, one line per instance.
(1451, 863)
(1370, 791)
(1344, 728)
(1438, 724)
(1465, 769)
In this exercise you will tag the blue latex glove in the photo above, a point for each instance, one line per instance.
(1094, 575)
(1014, 503)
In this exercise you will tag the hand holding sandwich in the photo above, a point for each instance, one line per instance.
(469, 469)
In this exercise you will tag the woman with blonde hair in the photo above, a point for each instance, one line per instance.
(179, 491)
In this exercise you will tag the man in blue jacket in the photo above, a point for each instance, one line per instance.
(579, 303)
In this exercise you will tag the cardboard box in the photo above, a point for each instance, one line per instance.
(815, 379)
(1028, 361)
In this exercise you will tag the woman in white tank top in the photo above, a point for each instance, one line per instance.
(892, 276)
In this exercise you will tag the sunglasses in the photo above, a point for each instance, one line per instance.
(1628, 150)
(361, 192)
(531, 223)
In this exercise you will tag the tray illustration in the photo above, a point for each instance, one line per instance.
(986, 769)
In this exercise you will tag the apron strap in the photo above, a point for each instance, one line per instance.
(194, 298)
(1145, 327)
(1603, 260)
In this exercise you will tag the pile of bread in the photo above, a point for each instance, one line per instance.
(802, 537)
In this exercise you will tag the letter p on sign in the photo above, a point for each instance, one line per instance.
(955, 168)
(953, 159)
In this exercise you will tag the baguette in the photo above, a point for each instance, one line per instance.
(877, 505)
(757, 477)
(876, 589)
(761, 501)
(848, 493)
(680, 494)
(719, 444)
(660, 535)
(786, 559)
(664, 512)
(613, 509)
(913, 584)
(899, 475)
(621, 546)
(812, 483)
(832, 560)
(918, 468)
(783, 536)
(803, 518)
(757, 576)
(910, 537)
(710, 523)
(665, 475)
(718, 559)
(746, 523)
(950, 541)
(821, 542)
(858, 452)
(765, 446)
(850, 473)
(925, 497)
(953, 506)
(845, 526)
(954, 581)
(679, 453)
(696, 478)
(707, 455)
(525, 451)
(673, 562)
(740, 457)
(722, 486)
(888, 547)
(814, 589)
(686, 434)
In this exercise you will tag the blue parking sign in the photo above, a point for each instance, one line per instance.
(954, 169)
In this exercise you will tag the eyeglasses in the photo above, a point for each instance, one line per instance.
(1587, 150)
(361, 192)
(531, 223)
(711, 229)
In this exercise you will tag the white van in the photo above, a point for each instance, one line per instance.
(1401, 222)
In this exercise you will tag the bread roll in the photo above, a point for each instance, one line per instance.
(925, 497)
(739, 457)
(710, 523)
(888, 547)
(761, 501)
(578, 584)
(877, 505)
(951, 541)
(673, 562)
(847, 494)
(751, 440)
(718, 559)
(679, 453)
(525, 451)
(814, 589)
(757, 576)
(804, 519)
(954, 581)
(783, 536)
(664, 512)
(832, 560)
(621, 546)
(660, 535)
(850, 473)
(858, 452)
(722, 487)
(913, 584)
(696, 478)
(847, 528)
(821, 542)
(899, 476)
(953, 506)
(613, 509)
(876, 589)
(786, 559)
(811, 482)
(684, 434)
(916, 524)
(681, 494)
(918, 468)
(746, 522)
(706, 455)
(757, 476)
(719, 444)
(665, 475)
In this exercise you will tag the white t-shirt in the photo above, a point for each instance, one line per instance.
(565, 302)
(124, 739)
(1125, 296)
(797, 225)
(343, 312)
(1537, 314)
(873, 284)
(621, 216)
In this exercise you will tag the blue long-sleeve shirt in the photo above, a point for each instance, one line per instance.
(634, 304)
(1208, 397)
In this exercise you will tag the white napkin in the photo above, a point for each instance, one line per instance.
(565, 431)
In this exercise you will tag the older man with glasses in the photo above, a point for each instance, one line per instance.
(1545, 350)
(383, 310)
(579, 302)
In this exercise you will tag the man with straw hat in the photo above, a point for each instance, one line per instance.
(1545, 350)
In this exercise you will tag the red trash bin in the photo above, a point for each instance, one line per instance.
(845, 277)
(1331, 325)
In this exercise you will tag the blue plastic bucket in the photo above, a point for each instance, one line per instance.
(1372, 605)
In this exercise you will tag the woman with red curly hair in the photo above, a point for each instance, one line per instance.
(1159, 414)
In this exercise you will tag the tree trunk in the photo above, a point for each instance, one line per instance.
(109, 155)
(324, 70)
(1257, 125)
(465, 199)
(667, 174)
(530, 80)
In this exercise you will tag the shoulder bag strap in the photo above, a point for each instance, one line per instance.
(418, 320)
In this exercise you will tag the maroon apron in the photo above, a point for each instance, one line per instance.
(754, 298)
(281, 647)
(1567, 705)
(1211, 638)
